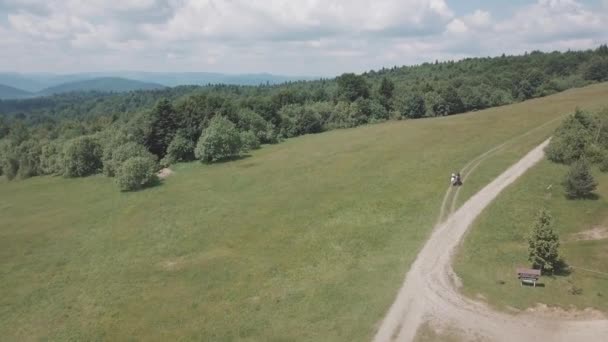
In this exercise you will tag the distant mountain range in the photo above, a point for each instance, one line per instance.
(8, 92)
(16, 85)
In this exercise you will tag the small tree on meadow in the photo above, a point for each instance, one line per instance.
(221, 140)
(543, 243)
(579, 182)
(82, 157)
(136, 173)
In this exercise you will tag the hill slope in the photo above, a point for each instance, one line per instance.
(8, 92)
(306, 240)
(106, 84)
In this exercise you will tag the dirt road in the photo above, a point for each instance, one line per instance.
(430, 290)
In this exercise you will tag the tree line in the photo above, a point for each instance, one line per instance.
(129, 136)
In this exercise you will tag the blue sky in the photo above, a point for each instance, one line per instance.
(295, 37)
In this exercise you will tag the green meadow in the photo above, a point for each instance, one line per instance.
(305, 240)
(497, 244)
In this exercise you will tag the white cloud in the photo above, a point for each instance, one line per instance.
(280, 36)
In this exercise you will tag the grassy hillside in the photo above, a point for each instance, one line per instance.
(103, 84)
(8, 92)
(304, 240)
(497, 244)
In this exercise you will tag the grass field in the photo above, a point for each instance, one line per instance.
(496, 244)
(305, 240)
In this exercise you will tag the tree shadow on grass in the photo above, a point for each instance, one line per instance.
(231, 159)
(590, 197)
(157, 182)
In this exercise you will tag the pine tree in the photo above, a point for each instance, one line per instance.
(579, 182)
(386, 88)
(543, 243)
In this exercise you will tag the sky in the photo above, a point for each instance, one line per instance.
(289, 37)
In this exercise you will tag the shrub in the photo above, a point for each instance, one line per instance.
(180, 149)
(8, 162)
(249, 141)
(120, 154)
(569, 143)
(29, 159)
(597, 70)
(579, 182)
(252, 121)
(51, 158)
(136, 173)
(219, 141)
(299, 120)
(82, 157)
(411, 106)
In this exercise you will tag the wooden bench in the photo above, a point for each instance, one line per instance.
(528, 276)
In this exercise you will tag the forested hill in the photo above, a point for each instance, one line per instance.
(155, 119)
(103, 84)
(8, 92)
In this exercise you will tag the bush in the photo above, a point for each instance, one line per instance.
(180, 149)
(579, 182)
(119, 154)
(597, 70)
(136, 173)
(51, 158)
(82, 157)
(8, 161)
(252, 121)
(249, 141)
(300, 120)
(570, 142)
(411, 106)
(29, 159)
(219, 141)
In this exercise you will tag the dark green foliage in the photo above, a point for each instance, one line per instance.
(163, 126)
(300, 119)
(4, 127)
(220, 141)
(386, 88)
(10, 166)
(152, 118)
(180, 149)
(411, 106)
(572, 138)
(51, 158)
(352, 87)
(579, 182)
(8, 159)
(136, 173)
(597, 70)
(115, 156)
(436, 104)
(543, 243)
(253, 122)
(452, 100)
(249, 141)
(28, 154)
(81, 157)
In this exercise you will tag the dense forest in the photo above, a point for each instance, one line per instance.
(129, 136)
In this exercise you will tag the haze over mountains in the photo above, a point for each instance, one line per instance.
(16, 85)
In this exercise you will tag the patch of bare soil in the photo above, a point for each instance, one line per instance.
(596, 233)
(164, 173)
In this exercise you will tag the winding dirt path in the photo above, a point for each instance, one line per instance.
(430, 290)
